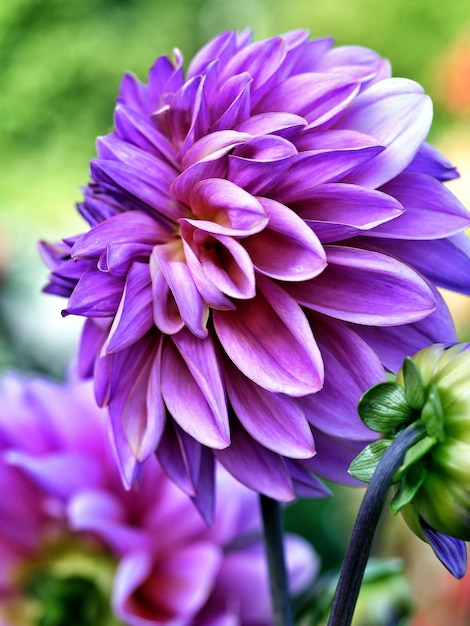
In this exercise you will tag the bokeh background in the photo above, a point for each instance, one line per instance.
(60, 65)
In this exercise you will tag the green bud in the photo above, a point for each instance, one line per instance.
(434, 484)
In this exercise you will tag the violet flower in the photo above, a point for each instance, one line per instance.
(266, 235)
(72, 539)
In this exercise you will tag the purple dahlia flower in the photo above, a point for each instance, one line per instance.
(71, 536)
(267, 231)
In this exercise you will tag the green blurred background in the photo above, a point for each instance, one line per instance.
(60, 65)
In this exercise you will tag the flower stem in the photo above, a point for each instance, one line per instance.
(273, 537)
(357, 553)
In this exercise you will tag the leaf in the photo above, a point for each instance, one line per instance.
(433, 415)
(384, 407)
(363, 466)
(414, 455)
(408, 487)
(414, 386)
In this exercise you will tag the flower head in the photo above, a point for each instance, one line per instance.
(78, 548)
(266, 234)
(432, 393)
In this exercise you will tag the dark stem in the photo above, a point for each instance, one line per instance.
(357, 553)
(273, 538)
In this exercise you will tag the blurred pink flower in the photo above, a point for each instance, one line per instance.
(66, 523)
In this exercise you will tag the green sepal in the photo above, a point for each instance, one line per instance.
(384, 407)
(363, 466)
(414, 387)
(408, 487)
(432, 414)
(414, 455)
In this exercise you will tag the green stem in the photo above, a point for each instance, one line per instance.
(273, 537)
(357, 553)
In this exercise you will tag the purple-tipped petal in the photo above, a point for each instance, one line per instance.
(398, 114)
(286, 249)
(97, 294)
(256, 467)
(193, 391)
(366, 288)
(348, 359)
(430, 161)
(286, 430)
(451, 552)
(270, 341)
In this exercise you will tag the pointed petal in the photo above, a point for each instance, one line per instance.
(398, 114)
(446, 262)
(285, 125)
(193, 390)
(336, 211)
(97, 294)
(451, 552)
(232, 104)
(180, 456)
(270, 341)
(255, 466)
(430, 161)
(349, 359)
(366, 288)
(169, 258)
(134, 316)
(431, 210)
(286, 249)
(317, 97)
(274, 420)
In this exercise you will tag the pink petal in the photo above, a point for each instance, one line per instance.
(366, 288)
(270, 341)
(287, 249)
(398, 114)
(193, 390)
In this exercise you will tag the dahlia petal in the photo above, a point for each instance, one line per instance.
(166, 314)
(134, 128)
(117, 259)
(182, 185)
(133, 93)
(91, 341)
(314, 96)
(255, 466)
(360, 63)
(193, 391)
(221, 47)
(204, 500)
(306, 485)
(392, 344)
(220, 261)
(314, 168)
(336, 211)
(178, 588)
(225, 208)
(180, 456)
(431, 210)
(169, 259)
(164, 77)
(446, 262)
(136, 407)
(102, 514)
(152, 191)
(306, 57)
(398, 114)
(366, 288)
(274, 420)
(123, 228)
(430, 161)
(214, 146)
(287, 249)
(333, 458)
(61, 473)
(232, 104)
(97, 294)
(334, 139)
(285, 125)
(270, 341)
(257, 164)
(260, 59)
(348, 359)
(450, 551)
(134, 316)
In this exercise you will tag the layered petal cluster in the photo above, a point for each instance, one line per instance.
(70, 533)
(267, 231)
